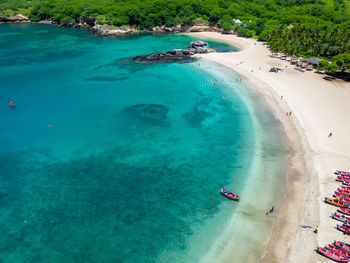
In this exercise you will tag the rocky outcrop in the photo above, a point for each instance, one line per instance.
(175, 55)
(112, 31)
(14, 19)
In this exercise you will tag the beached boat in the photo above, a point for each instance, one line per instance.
(344, 246)
(343, 210)
(342, 172)
(343, 192)
(332, 255)
(343, 199)
(335, 202)
(344, 187)
(344, 229)
(336, 194)
(343, 179)
(340, 218)
(229, 194)
(338, 250)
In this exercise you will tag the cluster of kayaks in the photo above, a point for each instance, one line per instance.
(338, 251)
(229, 194)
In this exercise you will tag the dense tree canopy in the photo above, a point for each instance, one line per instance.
(295, 27)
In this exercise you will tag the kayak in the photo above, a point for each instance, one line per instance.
(229, 194)
(338, 250)
(340, 218)
(341, 195)
(344, 210)
(343, 192)
(343, 200)
(10, 103)
(335, 202)
(344, 188)
(342, 172)
(343, 179)
(344, 229)
(342, 245)
(332, 255)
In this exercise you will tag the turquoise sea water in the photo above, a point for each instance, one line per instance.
(106, 160)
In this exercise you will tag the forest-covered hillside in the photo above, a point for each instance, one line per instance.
(296, 27)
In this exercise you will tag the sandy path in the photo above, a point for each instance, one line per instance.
(318, 107)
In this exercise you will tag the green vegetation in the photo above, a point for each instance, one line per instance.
(295, 27)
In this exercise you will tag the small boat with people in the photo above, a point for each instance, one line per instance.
(344, 210)
(11, 104)
(229, 194)
(332, 255)
(343, 179)
(342, 245)
(343, 199)
(336, 194)
(336, 202)
(341, 218)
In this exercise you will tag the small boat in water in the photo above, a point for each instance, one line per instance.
(344, 210)
(229, 194)
(335, 202)
(11, 104)
(332, 255)
(342, 245)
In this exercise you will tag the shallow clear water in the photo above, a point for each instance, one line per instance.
(106, 160)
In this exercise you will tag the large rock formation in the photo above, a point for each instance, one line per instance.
(175, 55)
(14, 19)
(108, 31)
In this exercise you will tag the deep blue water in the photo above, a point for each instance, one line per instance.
(106, 160)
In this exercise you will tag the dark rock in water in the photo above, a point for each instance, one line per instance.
(175, 55)
(153, 112)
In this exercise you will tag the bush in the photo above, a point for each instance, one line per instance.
(323, 65)
(333, 67)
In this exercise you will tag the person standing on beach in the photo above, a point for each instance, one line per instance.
(330, 134)
(316, 230)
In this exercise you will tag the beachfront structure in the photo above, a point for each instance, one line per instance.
(237, 22)
(199, 44)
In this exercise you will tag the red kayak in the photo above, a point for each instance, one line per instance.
(344, 229)
(11, 104)
(343, 199)
(344, 187)
(340, 218)
(338, 250)
(343, 179)
(229, 194)
(341, 195)
(344, 210)
(332, 255)
(342, 245)
(342, 172)
(343, 192)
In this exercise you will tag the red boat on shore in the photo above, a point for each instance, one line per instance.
(343, 179)
(338, 250)
(342, 245)
(229, 194)
(332, 255)
(342, 172)
(340, 218)
(344, 229)
(342, 192)
(335, 202)
(344, 187)
(336, 194)
(343, 199)
(344, 210)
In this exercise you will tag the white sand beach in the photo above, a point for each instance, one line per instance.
(318, 107)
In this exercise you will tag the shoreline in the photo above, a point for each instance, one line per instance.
(308, 179)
